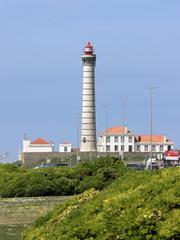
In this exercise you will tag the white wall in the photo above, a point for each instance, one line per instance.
(41, 147)
(113, 142)
(28, 147)
(157, 149)
(127, 143)
(65, 148)
(26, 143)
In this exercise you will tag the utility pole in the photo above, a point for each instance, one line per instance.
(123, 100)
(77, 140)
(106, 106)
(77, 132)
(151, 120)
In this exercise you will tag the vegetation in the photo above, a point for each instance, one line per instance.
(57, 181)
(138, 205)
(18, 214)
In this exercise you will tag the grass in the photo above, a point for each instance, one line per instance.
(18, 214)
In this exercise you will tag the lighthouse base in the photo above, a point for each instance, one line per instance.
(88, 147)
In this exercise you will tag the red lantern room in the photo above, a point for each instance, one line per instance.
(88, 49)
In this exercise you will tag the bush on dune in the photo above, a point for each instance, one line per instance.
(139, 205)
(20, 182)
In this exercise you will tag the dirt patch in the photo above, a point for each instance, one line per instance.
(17, 214)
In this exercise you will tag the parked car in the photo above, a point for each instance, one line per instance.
(50, 165)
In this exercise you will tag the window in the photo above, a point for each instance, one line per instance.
(116, 148)
(115, 139)
(108, 148)
(146, 148)
(130, 139)
(130, 148)
(65, 149)
(154, 148)
(161, 148)
(138, 148)
(107, 139)
(169, 147)
(122, 148)
(122, 138)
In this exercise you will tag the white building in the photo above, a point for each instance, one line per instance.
(65, 147)
(116, 139)
(39, 145)
(160, 143)
(119, 139)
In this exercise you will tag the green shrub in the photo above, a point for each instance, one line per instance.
(63, 186)
(19, 182)
(139, 205)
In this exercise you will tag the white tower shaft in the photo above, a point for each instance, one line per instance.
(88, 133)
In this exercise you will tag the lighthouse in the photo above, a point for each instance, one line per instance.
(88, 130)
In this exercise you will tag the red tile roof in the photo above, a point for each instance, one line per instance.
(40, 141)
(65, 142)
(116, 130)
(155, 138)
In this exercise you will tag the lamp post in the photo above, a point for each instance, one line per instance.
(77, 139)
(151, 119)
(106, 106)
(123, 100)
(77, 133)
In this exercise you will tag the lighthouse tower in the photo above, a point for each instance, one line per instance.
(88, 131)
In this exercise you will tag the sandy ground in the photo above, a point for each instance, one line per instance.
(17, 214)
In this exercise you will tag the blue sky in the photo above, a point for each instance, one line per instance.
(137, 44)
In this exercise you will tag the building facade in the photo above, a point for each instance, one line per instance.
(160, 143)
(119, 139)
(65, 147)
(39, 145)
(116, 139)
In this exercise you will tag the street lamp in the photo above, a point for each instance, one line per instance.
(123, 100)
(106, 106)
(77, 133)
(151, 114)
(77, 140)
